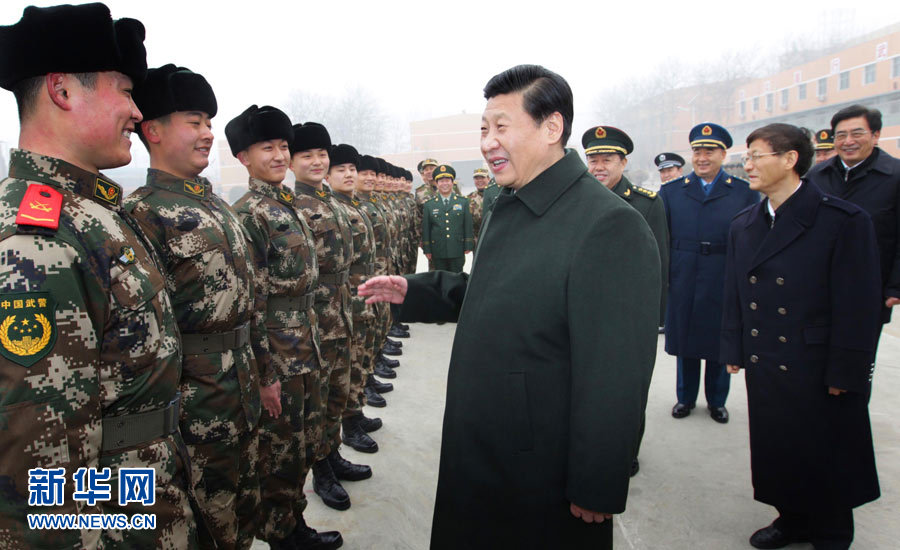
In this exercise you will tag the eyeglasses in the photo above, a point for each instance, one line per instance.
(855, 134)
(756, 156)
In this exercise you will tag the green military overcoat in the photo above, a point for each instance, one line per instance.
(447, 228)
(550, 366)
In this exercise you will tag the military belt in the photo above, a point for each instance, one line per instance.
(129, 430)
(216, 342)
(699, 247)
(339, 278)
(365, 269)
(288, 304)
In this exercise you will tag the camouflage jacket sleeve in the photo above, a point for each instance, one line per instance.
(259, 337)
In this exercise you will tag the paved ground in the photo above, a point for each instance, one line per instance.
(693, 490)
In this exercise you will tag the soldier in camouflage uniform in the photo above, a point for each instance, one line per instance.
(342, 177)
(334, 251)
(476, 199)
(284, 334)
(90, 356)
(384, 189)
(209, 276)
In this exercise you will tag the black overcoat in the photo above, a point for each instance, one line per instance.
(550, 366)
(802, 306)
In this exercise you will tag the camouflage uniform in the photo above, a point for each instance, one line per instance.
(476, 201)
(109, 348)
(380, 224)
(284, 337)
(334, 251)
(362, 268)
(414, 227)
(209, 276)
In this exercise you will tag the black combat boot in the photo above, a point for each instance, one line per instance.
(384, 371)
(391, 350)
(397, 332)
(393, 363)
(307, 538)
(326, 485)
(346, 470)
(353, 435)
(395, 343)
(369, 424)
(403, 326)
(379, 386)
(373, 398)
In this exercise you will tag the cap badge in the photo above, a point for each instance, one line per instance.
(600, 133)
(707, 131)
(823, 135)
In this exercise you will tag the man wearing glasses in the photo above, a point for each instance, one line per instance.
(865, 175)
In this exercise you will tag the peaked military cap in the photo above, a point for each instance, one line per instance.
(310, 135)
(668, 160)
(344, 154)
(257, 124)
(367, 162)
(606, 139)
(824, 140)
(481, 172)
(444, 171)
(709, 135)
(427, 162)
(169, 89)
(71, 39)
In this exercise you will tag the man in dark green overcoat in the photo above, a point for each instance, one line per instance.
(555, 344)
(447, 234)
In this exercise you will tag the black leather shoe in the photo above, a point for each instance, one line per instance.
(391, 350)
(397, 332)
(379, 386)
(354, 436)
(369, 424)
(393, 363)
(680, 410)
(326, 485)
(373, 398)
(403, 326)
(384, 371)
(635, 467)
(395, 343)
(719, 414)
(346, 470)
(773, 537)
(307, 538)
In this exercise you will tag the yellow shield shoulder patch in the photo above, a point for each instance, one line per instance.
(27, 326)
(107, 191)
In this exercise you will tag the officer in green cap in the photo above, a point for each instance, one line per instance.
(607, 149)
(825, 145)
(476, 199)
(90, 354)
(447, 224)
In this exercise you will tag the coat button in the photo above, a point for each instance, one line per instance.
(754, 332)
(782, 367)
(782, 339)
(753, 279)
(779, 281)
(754, 359)
(753, 306)
(782, 311)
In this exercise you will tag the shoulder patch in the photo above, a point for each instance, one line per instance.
(41, 206)
(646, 192)
(107, 191)
(27, 326)
(286, 197)
(195, 189)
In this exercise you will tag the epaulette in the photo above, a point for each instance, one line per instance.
(646, 192)
(671, 181)
(40, 207)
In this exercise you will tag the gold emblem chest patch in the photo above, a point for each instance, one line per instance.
(27, 326)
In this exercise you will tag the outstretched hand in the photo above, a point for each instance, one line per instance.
(384, 288)
(588, 516)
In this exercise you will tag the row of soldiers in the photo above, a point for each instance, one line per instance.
(221, 346)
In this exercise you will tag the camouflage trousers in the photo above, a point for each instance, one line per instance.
(282, 456)
(226, 484)
(335, 383)
(363, 338)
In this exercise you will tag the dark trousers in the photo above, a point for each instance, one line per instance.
(715, 384)
(449, 264)
(825, 529)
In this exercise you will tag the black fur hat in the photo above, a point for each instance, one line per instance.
(257, 124)
(343, 154)
(310, 135)
(168, 89)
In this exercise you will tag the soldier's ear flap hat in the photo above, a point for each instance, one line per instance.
(606, 139)
(382, 166)
(71, 39)
(444, 171)
(709, 135)
(257, 124)
(344, 154)
(367, 162)
(169, 89)
(668, 160)
(310, 135)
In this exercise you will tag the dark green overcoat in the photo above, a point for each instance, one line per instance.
(550, 366)
(447, 228)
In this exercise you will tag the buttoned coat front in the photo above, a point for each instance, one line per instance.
(802, 306)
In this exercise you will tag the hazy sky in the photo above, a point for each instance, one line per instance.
(424, 59)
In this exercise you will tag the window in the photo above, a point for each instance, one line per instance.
(770, 101)
(801, 91)
(895, 72)
(755, 104)
(822, 87)
(784, 98)
(743, 109)
(844, 81)
(869, 74)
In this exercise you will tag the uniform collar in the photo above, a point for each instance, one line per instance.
(550, 184)
(280, 193)
(623, 188)
(198, 188)
(304, 189)
(345, 199)
(52, 171)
